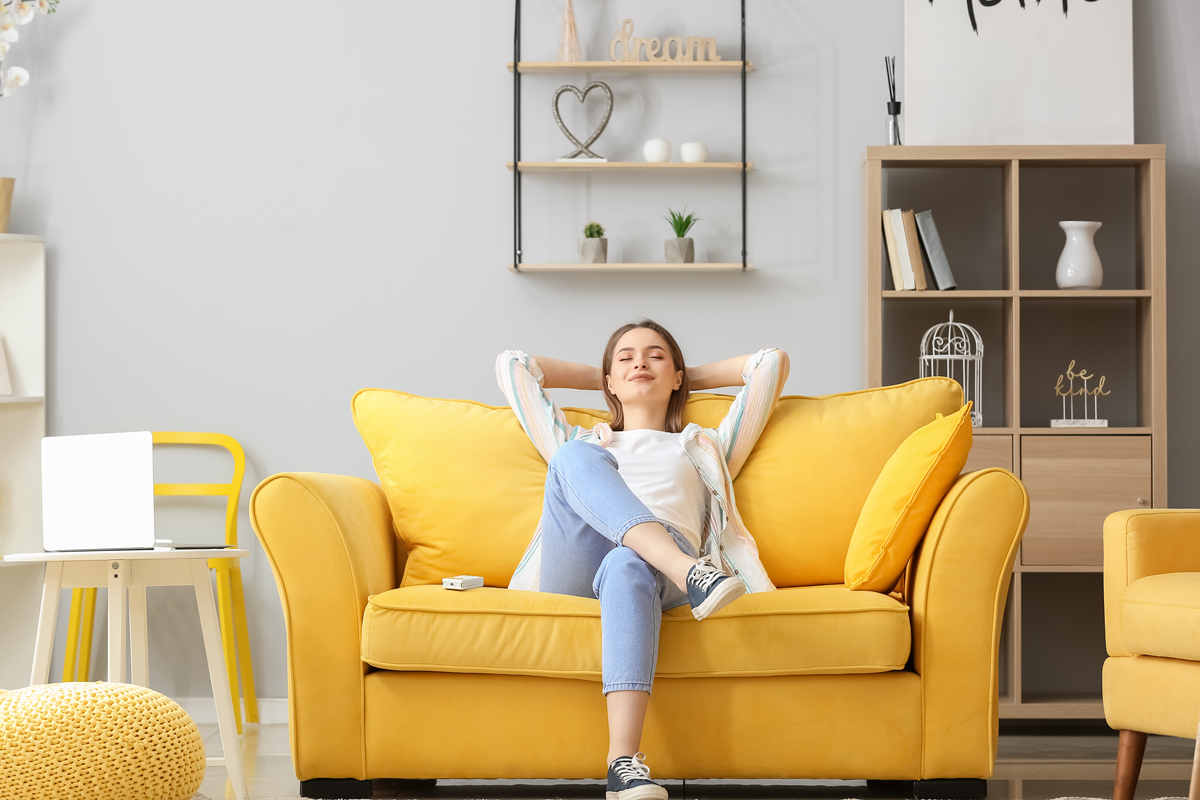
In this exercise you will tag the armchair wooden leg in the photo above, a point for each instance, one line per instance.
(1130, 749)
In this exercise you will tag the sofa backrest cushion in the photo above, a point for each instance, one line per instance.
(804, 484)
(465, 483)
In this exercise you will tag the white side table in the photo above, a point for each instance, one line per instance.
(134, 570)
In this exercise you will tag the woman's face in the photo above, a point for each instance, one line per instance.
(642, 371)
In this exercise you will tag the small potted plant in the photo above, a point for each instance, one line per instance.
(681, 249)
(593, 247)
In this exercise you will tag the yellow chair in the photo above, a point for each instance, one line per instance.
(1151, 611)
(231, 602)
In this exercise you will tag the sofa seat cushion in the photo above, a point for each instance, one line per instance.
(807, 630)
(1160, 616)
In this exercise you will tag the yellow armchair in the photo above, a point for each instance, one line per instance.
(1152, 629)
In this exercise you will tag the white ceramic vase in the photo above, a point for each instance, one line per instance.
(1079, 265)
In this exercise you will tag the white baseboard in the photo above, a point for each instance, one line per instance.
(271, 710)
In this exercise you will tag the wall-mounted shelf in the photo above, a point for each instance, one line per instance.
(22, 398)
(517, 67)
(734, 267)
(997, 210)
(629, 166)
(541, 67)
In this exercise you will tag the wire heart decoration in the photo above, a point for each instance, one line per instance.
(582, 147)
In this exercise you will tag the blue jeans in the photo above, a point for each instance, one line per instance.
(587, 510)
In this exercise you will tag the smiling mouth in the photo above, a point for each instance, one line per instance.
(641, 378)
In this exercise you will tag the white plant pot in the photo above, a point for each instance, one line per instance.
(680, 251)
(657, 151)
(1079, 265)
(593, 251)
(693, 153)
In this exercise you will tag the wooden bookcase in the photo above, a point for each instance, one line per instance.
(997, 210)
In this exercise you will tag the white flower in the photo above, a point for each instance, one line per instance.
(12, 79)
(25, 12)
(3, 49)
(8, 30)
(44, 6)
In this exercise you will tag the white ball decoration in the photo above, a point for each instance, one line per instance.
(657, 151)
(693, 152)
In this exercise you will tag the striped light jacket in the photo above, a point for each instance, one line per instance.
(718, 455)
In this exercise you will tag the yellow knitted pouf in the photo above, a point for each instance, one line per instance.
(107, 741)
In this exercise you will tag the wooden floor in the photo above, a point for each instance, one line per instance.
(1076, 762)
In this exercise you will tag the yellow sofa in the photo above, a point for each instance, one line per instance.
(1152, 629)
(391, 677)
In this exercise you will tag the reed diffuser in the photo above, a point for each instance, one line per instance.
(893, 106)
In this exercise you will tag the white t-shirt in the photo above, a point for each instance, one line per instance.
(655, 466)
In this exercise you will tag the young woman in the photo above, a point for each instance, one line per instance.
(639, 512)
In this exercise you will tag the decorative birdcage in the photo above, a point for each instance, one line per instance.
(955, 350)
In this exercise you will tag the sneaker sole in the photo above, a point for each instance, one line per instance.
(648, 792)
(726, 593)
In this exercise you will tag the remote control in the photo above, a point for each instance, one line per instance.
(462, 582)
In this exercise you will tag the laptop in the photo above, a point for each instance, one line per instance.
(98, 493)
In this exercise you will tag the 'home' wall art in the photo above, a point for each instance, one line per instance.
(1018, 72)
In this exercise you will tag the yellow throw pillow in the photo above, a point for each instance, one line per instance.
(903, 499)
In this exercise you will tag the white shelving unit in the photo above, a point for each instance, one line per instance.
(23, 413)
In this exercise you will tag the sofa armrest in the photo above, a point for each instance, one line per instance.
(959, 588)
(1139, 543)
(330, 543)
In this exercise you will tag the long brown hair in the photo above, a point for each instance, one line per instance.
(678, 397)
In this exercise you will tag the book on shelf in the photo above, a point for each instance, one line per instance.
(931, 243)
(906, 267)
(914, 251)
(889, 237)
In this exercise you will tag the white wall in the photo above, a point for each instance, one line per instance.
(253, 212)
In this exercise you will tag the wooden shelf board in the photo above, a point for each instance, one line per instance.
(1067, 294)
(22, 398)
(1048, 431)
(535, 67)
(628, 166)
(1055, 294)
(1029, 155)
(736, 267)
(933, 294)
(1055, 706)
(20, 237)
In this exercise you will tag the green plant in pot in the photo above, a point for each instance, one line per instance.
(593, 247)
(681, 249)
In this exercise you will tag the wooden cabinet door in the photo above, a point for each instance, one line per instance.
(1074, 482)
(990, 451)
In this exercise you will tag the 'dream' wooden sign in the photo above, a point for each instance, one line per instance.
(693, 48)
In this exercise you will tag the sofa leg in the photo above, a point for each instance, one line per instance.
(950, 789)
(1130, 749)
(335, 787)
(895, 788)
